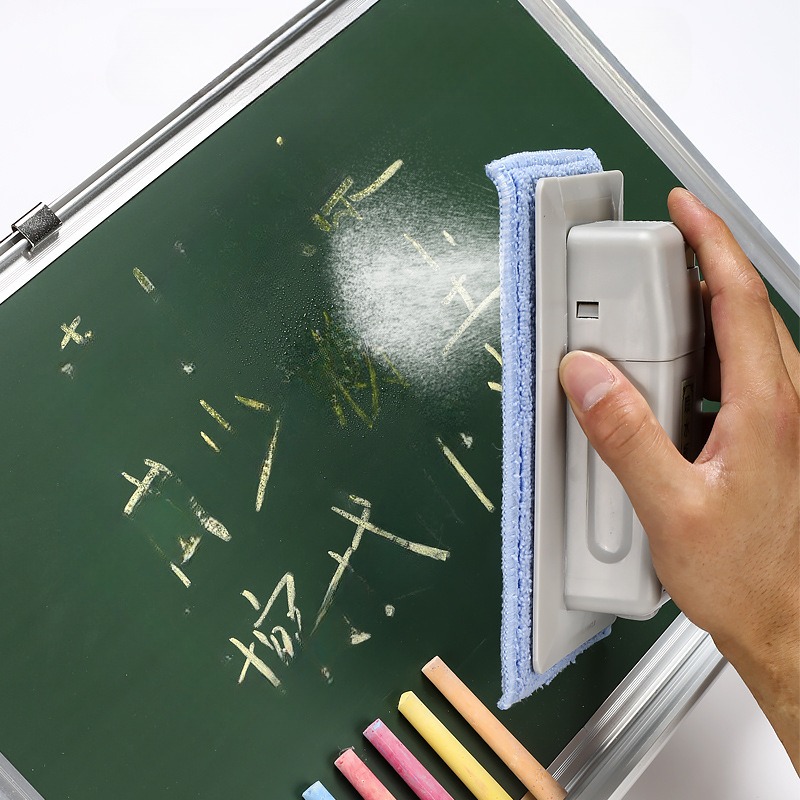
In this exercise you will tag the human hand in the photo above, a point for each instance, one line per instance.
(724, 531)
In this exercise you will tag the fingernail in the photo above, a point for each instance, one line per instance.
(585, 378)
(694, 198)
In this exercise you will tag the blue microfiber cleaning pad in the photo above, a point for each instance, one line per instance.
(515, 178)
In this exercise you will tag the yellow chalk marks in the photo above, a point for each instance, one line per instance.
(252, 658)
(414, 547)
(339, 196)
(468, 479)
(188, 547)
(400, 379)
(378, 182)
(449, 238)
(144, 281)
(257, 405)
(343, 562)
(181, 575)
(358, 637)
(143, 486)
(424, 253)
(458, 288)
(285, 651)
(210, 442)
(494, 386)
(470, 319)
(279, 141)
(211, 524)
(266, 466)
(217, 416)
(251, 598)
(71, 333)
(490, 349)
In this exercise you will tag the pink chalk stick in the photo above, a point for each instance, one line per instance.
(404, 763)
(359, 774)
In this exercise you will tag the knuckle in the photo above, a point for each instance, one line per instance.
(752, 285)
(622, 428)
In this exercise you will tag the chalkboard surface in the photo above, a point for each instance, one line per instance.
(251, 435)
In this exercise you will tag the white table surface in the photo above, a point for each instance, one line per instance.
(86, 78)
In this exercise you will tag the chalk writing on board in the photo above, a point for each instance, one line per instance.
(214, 414)
(71, 333)
(357, 636)
(210, 442)
(256, 405)
(143, 486)
(494, 353)
(468, 479)
(345, 371)
(474, 313)
(189, 528)
(423, 252)
(266, 466)
(494, 385)
(279, 639)
(143, 280)
(250, 656)
(327, 219)
(363, 524)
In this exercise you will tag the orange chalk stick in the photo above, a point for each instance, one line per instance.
(536, 779)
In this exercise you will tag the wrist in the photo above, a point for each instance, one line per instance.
(769, 664)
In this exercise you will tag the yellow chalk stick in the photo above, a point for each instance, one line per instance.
(540, 783)
(450, 750)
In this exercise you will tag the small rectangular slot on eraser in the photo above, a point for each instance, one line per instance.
(588, 310)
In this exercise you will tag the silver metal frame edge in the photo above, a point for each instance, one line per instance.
(629, 729)
(644, 115)
(87, 205)
(12, 785)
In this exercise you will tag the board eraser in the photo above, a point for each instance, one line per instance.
(574, 275)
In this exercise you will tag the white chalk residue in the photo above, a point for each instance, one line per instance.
(211, 524)
(181, 575)
(407, 291)
(468, 479)
(266, 466)
(210, 442)
(143, 486)
(389, 610)
(358, 637)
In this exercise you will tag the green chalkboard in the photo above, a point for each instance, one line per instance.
(312, 289)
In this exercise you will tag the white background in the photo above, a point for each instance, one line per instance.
(84, 79)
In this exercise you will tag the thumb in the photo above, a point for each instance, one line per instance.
(625, 433)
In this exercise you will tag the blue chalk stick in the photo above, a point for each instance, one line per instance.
(317, 792)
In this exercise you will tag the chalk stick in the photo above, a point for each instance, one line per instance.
(359, 774)
(405, 763)
(317, 792)
(450, 750)
(536, 779)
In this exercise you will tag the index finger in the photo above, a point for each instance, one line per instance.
(741, 314)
